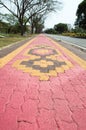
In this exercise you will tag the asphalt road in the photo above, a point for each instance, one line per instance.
(76, 41)
(73, 44)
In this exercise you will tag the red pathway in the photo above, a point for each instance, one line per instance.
(42, 88)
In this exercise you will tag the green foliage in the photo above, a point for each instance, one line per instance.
(78, 30)
(81, 15)
(72, 34)
(60, 28)
(3, 27)
(50, 31)
(10, 24)
(8, 18)
(11, 38)
(37, 24)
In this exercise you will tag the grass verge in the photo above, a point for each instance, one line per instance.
(7, 40)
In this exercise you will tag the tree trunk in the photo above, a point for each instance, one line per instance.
(36, 30)
(32, 29)
(22, 30)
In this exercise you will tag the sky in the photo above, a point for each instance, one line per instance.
(65, 15)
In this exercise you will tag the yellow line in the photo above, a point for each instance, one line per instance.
(80, 61)
(6, 59)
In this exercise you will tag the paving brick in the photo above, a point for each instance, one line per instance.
(73, 77)
(22, 85)
(75, 81)
(2, 84)
(8, 121)
(27, 126)
(67, 87)
(42, 101)
(63, 78)
(69, 126)
(84, 101)
(31, 93)
(62, 110)
(79, 116)
(74, 100)
(57, 92)
(35, 79)
(2, 104)
(7, 82)
(46, 101)
(46, 120)
(33, 83)
(81, 90)
(29, 111)
(45, 85)
(16, 99)
(54, 81)
(6, 93)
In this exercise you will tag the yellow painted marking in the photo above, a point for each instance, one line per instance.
(39, 47)
(43, 63)
(76, 58)
(45, 78)
(52, 73)
(59, 70)
(35, 72)
(30, 70)
(65, 67)
(42, 51)
(6, 59)
(54, 57)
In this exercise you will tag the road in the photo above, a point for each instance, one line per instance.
(75, 41)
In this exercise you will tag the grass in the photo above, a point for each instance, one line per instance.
(10, 39)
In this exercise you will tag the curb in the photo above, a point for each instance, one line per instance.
(77, 46)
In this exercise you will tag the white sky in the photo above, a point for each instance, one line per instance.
(66, 15)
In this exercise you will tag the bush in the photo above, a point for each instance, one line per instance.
(78, 35)
(50, 31)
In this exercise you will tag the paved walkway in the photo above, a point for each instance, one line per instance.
(42, 87)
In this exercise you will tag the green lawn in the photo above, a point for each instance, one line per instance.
(5, 41)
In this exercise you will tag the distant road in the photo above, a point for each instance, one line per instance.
(76, 41)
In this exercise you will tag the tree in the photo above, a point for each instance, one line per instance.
(45, 7)
(3, 27)
(61, 27)
(9, 18)
(12, 22)
(81, 15)
(37, 24)
(50, 31)
(24, 10)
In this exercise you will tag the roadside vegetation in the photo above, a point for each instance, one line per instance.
(6, 40)
(23, 18)
(73, 34)
(26, 12)
(78, 31)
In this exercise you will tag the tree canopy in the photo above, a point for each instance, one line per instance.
(61, 27)
(24, 10)
(81, 15)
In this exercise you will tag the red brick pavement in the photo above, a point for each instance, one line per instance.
(29, 103)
